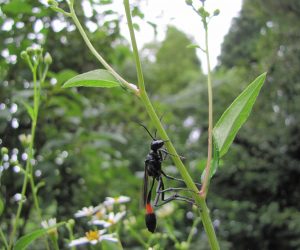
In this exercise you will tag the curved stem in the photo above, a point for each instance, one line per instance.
(126, 84)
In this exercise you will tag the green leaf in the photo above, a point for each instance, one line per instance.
(215, 161)
(235, 115)
(17, 7)
(193, 46)
(214, 164)
(29, 109)
(27, 239)
(97, 78)
(109, 245)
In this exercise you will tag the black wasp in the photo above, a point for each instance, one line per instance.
(153, 169)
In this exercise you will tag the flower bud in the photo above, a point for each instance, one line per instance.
(47, 58)
(216, 12)
(24, 55)
(13, 162)
(189, 2)
(71, 223)
(25, 140)
(52, 3)
(30, 51)
(4, 150)
(203, 13)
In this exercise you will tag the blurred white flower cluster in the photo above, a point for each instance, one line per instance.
(105, 215)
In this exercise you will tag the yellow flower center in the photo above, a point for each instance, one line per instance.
(52, 231)
(99, 215)
(92, 235)
(117, 199)
(111, 221)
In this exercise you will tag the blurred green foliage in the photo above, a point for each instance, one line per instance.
(89, 146)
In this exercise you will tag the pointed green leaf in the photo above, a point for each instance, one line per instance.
(97, 78)
(235, 115)
(27, 239)
(193, 46)
(29, 109)
(214, 164)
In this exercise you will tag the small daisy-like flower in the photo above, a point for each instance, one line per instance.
(93, 237)
(111, 220)
(100, 214)
(48, 224)
(86, 211)
(116, 200)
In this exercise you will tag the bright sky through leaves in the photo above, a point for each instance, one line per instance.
(177, 13)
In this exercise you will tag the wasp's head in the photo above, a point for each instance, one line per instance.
(157, 144)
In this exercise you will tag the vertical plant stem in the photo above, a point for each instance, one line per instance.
(3, 238)
(28, 168)
(204, 188)
(192, 231)
(71, 235)
(54, 242)
(27, 172)
(37, 94)
(200, 201)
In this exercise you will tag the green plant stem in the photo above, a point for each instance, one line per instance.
(28, 168)
(170, 232)
(3, 238)
(54, 242)
(205, 185)
(192, 231)
(200, 201)
(71, 235)
(138, 237)
(124, 83)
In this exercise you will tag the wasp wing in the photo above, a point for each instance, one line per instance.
(145, 187)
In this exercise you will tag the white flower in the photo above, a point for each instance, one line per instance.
(116, 200)
(100, 213)
(112, 219)
(25, 139)
(93, 237)
(49, 224)
(86, 211)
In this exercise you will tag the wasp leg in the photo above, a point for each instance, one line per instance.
(167, 153)
(177, 198)
(158, 192)
(175, 190)
(177, 179)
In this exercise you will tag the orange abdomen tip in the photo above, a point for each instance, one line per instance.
(150, 218)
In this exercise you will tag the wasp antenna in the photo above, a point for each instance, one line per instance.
(147, 130)
(160, 119)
